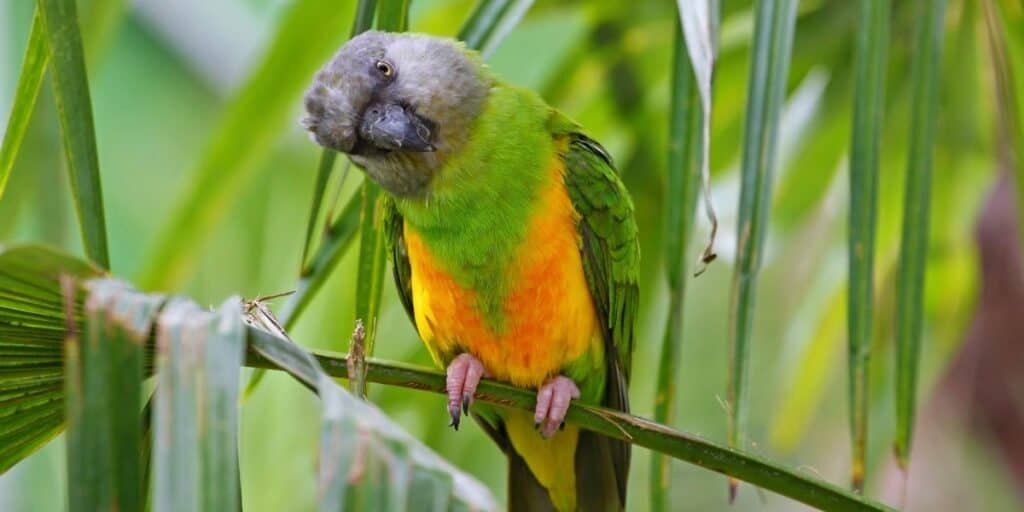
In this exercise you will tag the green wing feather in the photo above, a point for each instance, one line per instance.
(611, 254)
(394, 237)
(611, 261)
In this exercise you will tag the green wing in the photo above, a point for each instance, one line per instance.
(611, 254)
(395, 238)
(611, 261)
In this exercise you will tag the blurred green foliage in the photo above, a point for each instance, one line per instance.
(160, 93)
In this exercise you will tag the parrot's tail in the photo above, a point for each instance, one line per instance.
(600, 484)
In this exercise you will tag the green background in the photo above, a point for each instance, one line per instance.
(160, 83)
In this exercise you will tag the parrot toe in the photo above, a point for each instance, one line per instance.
(553, 402)
(464, 374)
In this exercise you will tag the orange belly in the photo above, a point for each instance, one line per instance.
(549, 318)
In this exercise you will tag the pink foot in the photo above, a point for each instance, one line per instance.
(553, 402)
(464, 373)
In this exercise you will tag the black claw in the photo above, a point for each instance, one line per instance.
(536, 425)
(454, 412)
(562, 426)
(466, 399)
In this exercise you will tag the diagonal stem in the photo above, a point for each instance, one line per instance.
(639, 431)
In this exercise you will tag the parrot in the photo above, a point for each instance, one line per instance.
(513, 244)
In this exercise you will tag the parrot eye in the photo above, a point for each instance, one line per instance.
(384, 68)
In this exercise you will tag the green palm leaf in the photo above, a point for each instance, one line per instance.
(74, 106)
(773, 39)
(869, 99)
(32, 68)
(930, 15)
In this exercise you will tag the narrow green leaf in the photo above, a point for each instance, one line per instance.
(104, 369)
(74, 107)
(868, 102)
(29, 82)
(680, 202)
(96, 27)
(490, 22)
(309, 32)
(365, 10)
(774, 22)
(323, 174)
(218, 439)
(372, 262)
(393, 15)
(924, 77)
(196, 419)
(176, 463)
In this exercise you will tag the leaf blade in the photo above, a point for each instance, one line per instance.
(323, 174)
(372, 263)
(74, 107)
(914, 239)
(393, 15)
(490, 22)
(103, 388)
(772, 46)
(30, 81)
(869, 101)
(365, 10)
(195, 452)
(682, 188)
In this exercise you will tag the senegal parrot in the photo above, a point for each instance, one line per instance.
(514, 248)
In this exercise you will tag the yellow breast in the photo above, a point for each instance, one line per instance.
(550, 318)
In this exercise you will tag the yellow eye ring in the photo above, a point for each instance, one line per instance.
(384, 68)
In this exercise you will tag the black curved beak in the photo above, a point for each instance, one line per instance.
(393, 127)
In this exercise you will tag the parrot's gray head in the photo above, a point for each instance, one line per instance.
(398, 105)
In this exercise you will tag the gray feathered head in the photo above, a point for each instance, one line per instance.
(398, 104)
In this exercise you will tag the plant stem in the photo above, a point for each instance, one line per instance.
(639, 431)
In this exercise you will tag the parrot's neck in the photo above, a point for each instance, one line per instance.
(476, 214)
